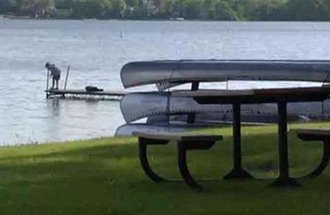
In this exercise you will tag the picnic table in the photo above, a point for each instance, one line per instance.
(280, 96)
(168, 74)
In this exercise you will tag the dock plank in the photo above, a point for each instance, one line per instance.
(84, 92)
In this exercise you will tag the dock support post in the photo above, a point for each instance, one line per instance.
(66, 80)
(66, 77)
(47, 84)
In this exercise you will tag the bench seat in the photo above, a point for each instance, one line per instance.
(185, 141)
(316, 132)
(184, 136)
(317, 135)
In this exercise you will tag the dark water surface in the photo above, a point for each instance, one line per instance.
(96, 50)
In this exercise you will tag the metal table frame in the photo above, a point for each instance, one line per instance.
(279, 96)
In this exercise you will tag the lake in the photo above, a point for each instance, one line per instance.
(96, 50)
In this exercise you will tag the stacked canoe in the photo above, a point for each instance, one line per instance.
(164, 112)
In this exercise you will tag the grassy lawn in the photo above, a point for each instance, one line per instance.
(103, 176)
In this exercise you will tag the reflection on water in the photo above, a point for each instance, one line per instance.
(71, 117)
(54, 107)
(96, 51)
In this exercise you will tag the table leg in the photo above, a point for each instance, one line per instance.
(284, 179)
(238, 171)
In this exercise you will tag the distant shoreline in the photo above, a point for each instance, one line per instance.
(15, 17)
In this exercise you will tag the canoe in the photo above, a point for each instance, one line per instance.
(128, 129)
(183, 71)
(136, 106)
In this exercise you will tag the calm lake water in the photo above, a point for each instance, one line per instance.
(96, 50)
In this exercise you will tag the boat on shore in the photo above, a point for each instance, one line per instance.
(177, 19)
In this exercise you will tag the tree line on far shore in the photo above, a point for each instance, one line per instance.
(309, 10)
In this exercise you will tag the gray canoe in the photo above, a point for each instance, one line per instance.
(182, 71)
(128, 129)
(135, 106)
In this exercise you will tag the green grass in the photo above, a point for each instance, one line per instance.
(103, 176)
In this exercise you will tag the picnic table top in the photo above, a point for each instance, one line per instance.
(252, 96)
(250, 92)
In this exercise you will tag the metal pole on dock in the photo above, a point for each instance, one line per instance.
(47, 84)
(66, 78)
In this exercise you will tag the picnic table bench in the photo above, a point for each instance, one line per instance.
(317, 135)
(185, 142)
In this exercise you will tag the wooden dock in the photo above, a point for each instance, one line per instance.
(81, 93)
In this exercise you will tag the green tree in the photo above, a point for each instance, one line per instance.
(7, 6)
(177, 9)
(102, 8)
(193, 9)
(311, 10)
(268, 10)
(209, 8)
(92, 8)
(35, 8)
(326, 10)
(132, 3)
(118, 8)
(223, 11)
